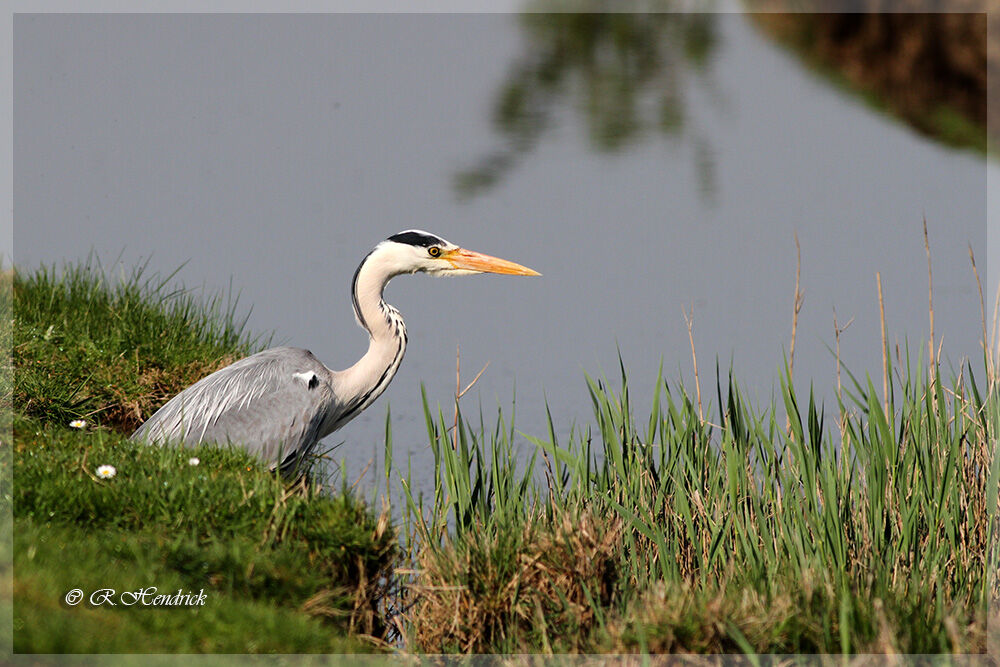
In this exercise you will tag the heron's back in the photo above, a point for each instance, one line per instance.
(273, 404)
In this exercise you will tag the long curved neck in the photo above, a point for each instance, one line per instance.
(368, 378)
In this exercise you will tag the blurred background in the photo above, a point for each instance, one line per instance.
(649, 165)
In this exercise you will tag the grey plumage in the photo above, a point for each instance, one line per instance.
(276, 404)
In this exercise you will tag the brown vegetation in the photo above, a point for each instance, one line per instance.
(921, 66)
(474, 596)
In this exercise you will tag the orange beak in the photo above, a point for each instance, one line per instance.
(470, 260)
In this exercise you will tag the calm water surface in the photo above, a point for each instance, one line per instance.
(645, 165)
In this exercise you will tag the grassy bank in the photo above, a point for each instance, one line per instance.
(286, 569)
(862, 527)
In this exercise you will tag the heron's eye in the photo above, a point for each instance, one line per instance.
(434, 251)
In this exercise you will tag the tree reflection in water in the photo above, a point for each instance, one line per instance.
(623, 73)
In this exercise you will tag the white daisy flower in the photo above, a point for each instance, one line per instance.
(193, 461)
(106, 472)
(77, 423)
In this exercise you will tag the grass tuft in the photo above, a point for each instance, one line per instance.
(107, 350)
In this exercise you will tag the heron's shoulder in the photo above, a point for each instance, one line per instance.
(271, 368)
(282, 357)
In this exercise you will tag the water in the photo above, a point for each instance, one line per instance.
(668, 170)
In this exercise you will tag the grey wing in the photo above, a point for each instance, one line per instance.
(273, 404)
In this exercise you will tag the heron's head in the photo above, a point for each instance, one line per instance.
(414, 250)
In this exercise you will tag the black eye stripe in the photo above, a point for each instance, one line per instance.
(417, 239)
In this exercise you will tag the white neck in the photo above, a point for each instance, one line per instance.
(368, 378)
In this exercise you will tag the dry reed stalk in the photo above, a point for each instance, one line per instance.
(549, 474)
(837, 330)
(982, 316)
(459, 392)
(458, 383)
(994, 350)
(83, 467)
(932, 369)
(796, 306)
(362, 475)
(694, 359)
(885, 346)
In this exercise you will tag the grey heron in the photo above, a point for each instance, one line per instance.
(277, 404)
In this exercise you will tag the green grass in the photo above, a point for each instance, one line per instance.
(285, 568)
(866, 530)
(108, 350)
